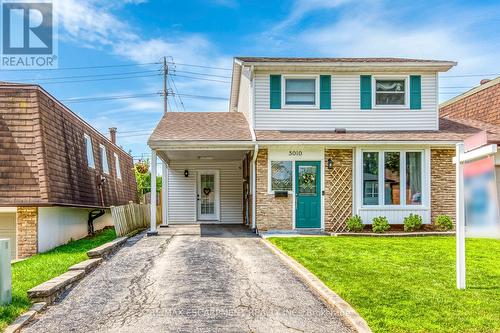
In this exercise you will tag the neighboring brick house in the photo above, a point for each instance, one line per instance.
(51, 169)
(323, 139)
(480, 105)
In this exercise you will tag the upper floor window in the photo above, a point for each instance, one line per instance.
(104, 159)
(117, 166)
(89, 151)
(390, 92)
(300, 91)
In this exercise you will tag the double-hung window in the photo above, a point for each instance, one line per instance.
(104, 159)
(281, 176)
(300, 91)
(117, 166)
(390, 92)
(89, 151)
(392, 178)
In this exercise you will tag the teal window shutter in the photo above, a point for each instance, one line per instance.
(415, 92)
(325, 92)
(366, 92)
(275, 91)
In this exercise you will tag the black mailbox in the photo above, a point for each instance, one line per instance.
(280, 194)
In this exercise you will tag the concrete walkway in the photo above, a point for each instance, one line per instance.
(191, 279)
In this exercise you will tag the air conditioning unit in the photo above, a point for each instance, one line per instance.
(5, 272)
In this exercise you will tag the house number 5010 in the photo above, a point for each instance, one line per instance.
(295, 153)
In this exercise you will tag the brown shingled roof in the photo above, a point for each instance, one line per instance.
(449, 130)
(347, 60)
(202, 126)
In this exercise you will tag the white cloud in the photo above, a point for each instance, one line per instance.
(379, 30)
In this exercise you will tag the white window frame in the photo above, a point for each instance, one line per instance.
(402, 178)
(270, 175)
(299, 76)
(88, 145)
(117, 166)
(104, 159)
(406, 79)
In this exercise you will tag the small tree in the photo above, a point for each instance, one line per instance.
(143, 179)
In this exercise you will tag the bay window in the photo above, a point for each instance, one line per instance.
(281, 176)
(400, 177)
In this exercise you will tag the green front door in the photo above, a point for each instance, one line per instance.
(308, 194)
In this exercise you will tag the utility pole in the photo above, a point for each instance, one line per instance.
(165, 91)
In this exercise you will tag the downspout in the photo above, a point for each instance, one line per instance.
(255, 152)
(254, 185)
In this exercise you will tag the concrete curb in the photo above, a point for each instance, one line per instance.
(47, 292)
(107, 249)
(23, 319)
(346, 311)
(393, 234)
(87, 265)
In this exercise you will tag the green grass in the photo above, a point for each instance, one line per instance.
(407, 284)
(43, 267)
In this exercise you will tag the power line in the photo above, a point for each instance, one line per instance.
(199, 66)
(205, 97)
(199, 78)
(177, 92)
(89, 76)
(467, 75)
(204, 74)
(105, 98)
(86, 67)
(101, 79)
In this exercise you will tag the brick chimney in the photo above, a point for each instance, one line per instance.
(112, 134)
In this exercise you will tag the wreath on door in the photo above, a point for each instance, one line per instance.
(308, 180)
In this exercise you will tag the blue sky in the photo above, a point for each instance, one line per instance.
(211, 32)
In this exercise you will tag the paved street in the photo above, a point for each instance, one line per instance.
(191, 279)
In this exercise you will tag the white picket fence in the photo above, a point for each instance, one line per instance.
(131, 217)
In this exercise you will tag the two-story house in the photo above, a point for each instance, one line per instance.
(309, 142)
(58, 174)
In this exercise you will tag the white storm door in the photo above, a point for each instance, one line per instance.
(208, 196)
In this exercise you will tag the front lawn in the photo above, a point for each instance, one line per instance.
(407, 284)
(43, 267)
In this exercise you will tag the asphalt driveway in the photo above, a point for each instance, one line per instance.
(191, 279)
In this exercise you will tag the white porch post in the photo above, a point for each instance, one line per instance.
(460, 218)
(153, 231)
(254, 186)
(164, 195)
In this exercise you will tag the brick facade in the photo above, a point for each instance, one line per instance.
(272, 213)
(442, 183)
(27, 231)
(482, 105)
(338, 189)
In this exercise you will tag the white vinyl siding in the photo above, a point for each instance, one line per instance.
(8, 230)
(182, 205)
(346, 112)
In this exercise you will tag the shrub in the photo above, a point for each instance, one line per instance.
(380, 224)
(444, 223)
(412, 222)
(355, 224)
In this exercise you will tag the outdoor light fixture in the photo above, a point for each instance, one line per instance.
(186, 173)
(330, 164)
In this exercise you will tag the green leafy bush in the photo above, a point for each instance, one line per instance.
(355, 224)
(444, 223)
(412, 222)
(380, 224)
